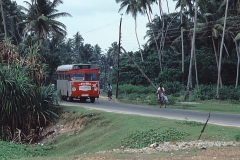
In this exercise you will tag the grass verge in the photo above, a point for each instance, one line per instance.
(102, 131)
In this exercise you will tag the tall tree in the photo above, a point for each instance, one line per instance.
(78, 44)
(220, 54)
(146, 5)
(182, 4)
(96, 53)
(133, 7)
(192, 52)
(40, 19)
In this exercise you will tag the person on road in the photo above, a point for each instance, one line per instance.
(161, 93)
(109, 90)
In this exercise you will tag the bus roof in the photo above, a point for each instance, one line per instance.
(68, 67)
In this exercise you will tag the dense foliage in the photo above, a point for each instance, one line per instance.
(25, 104)
(161, 63)
(168, 58)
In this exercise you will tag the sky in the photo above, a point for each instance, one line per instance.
(98, 22)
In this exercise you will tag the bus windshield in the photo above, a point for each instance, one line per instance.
(91, 76)
(77, 76)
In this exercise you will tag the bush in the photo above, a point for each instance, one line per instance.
(142, 139)
(229, 93)
(23, 104)
(204, 92)
(173, 87)
(171, 99)
(237, 137)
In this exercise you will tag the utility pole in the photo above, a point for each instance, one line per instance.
(119, 48)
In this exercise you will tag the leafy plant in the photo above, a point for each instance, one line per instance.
(24, 105)
(237, 137)
(142, 139)
(190, 123)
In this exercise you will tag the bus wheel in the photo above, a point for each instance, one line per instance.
(70, 99)
(92, 99)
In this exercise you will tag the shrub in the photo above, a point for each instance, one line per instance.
(229, 92)
(204, 92)
(142, 139)
(171, 99)
(23, 104)
(237, 137)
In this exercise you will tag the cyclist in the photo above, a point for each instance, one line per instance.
(161, 93)
(109, 90)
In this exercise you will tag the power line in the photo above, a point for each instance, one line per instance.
(100, 27)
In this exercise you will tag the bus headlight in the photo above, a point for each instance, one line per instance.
(73, 89)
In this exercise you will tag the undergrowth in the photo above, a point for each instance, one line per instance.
(190, 123)
(16, 151)
(142, 139)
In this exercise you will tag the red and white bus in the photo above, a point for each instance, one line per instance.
(78, 81)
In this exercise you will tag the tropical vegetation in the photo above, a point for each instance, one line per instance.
(201, 36)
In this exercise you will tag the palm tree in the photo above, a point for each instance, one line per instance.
(220, 56)
(238, 62)
(78, 43)
(97, 53)
(146, 5)
(182, 4)
(192, 52)
(133, 7)
(40, 19)
(87, 53)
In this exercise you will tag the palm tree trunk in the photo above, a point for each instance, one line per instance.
(162, 18)
(192, 52)
(168, 7)
(216, 57)
(4, 22)
(215, 51)
(195, 60)
(238, 56)
(137, 39)
(220, 56)
(139, 69)
(182, 47)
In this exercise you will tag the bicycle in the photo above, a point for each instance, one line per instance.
(162, 102)
(109, 95)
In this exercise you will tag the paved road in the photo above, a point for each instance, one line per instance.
(112, 106)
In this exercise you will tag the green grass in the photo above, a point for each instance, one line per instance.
(203, 106)
(16, 151)
(106, 131)
(210, 106)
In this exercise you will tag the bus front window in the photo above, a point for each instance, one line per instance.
(77, 77)
(91, 77)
